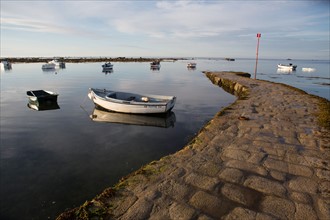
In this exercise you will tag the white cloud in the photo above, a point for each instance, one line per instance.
(177, 24)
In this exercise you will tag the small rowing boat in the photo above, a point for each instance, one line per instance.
(126, 102)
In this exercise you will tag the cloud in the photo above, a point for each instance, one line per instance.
(160, 19)
(189, 26)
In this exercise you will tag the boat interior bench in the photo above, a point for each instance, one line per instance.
(113, 95)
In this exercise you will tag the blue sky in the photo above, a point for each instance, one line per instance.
(290, 29)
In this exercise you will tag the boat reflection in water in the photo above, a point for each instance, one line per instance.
(155, 69)
(191, 68)
(283, 71)
(158, 120)
(43, 105)
(107, 71)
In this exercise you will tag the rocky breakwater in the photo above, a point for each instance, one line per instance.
(264, 157)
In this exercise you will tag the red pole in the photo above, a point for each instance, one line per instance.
(255, 70)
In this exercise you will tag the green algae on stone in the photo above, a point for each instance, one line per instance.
(324, 113)
(230, 86)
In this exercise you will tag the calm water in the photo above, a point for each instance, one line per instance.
(57, 159)
(316, 82)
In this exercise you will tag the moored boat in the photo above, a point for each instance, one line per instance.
(107, 66)
(5, 65)
(126, 102)
(155, 64)
(287, 67)
(191, 65)
(58, 64)
(48, 66)
(42, 96)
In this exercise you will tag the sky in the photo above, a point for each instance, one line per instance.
(199, 28)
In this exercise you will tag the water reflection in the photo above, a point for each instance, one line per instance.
(159, 120)
(51, 71)
(107, 71)
(284, 71)
(155, 68)
(43, 105)
(191, 68)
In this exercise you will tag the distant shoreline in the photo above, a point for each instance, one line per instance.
(130, 59)
(85, 59)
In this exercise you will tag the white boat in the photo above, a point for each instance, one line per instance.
(191, 65)
(48, 66)
(5, 65)
(287, 67)
(125, 102)
(58, 64)
(164, 120)
(308, 69)
(107, 66)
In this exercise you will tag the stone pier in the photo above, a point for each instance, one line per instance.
(266, 156)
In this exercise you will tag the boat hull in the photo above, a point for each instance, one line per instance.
(286, 67)
(42, 106)
(133, 107)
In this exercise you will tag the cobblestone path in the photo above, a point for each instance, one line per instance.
(263, 157)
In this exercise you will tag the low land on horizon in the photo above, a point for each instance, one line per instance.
(84, 59)
(121, 59)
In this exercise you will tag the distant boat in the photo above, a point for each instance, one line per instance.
(42, 96)
(164, 120)
(308, 69)
(155, 64)
(230, 59)
(125, 102)
(48, 66)
(107, 66)
(191, 65)
(287, 67)
(58, 64)
(5, 65)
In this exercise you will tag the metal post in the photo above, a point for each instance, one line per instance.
(255, 70)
